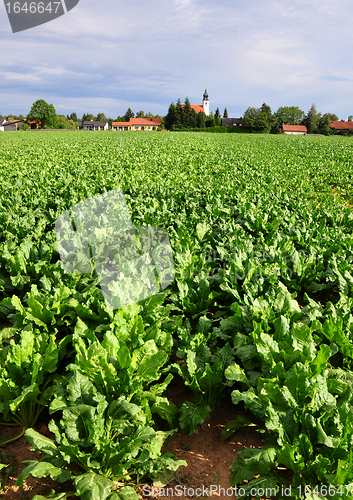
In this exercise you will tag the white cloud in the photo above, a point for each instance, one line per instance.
(148, 53)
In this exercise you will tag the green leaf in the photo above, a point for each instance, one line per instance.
(201, 230)
(124, 493)
(91, 486)
(235, 372)
(167, 410)
(191, 415)
(51, 496)
(43, 469)
(252, 461)
(323, 438)
(232, 427)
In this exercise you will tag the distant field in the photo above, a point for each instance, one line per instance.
(261, 228)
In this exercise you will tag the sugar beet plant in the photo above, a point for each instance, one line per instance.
(260, 310)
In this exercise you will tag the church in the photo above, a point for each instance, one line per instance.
(205, 107)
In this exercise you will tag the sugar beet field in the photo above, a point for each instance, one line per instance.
(246, 356)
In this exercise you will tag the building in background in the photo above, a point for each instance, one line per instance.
(231, 122)
(294, 129)
(93, 125)
(204, 107)
(11, 126)
(146, 124)
(341, 126)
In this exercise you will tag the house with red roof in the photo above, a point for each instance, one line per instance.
(341, 126)
(146, 124)
(294, 129)
(10, 126)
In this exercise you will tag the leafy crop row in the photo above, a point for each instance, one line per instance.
(260, 310)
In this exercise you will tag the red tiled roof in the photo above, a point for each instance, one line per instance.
(145, 121)
(342, 125)
(196, 107)
(139, 122)
(294, 128)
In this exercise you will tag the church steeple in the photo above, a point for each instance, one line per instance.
(206, 103)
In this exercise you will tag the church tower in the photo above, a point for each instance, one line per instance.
(206, 103)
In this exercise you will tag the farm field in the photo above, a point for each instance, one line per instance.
(248, 351)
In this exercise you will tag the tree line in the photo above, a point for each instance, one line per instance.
(184, 117)
(45, 116)
(264, 121)
(259, 120)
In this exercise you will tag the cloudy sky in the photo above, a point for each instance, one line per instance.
(109, 55)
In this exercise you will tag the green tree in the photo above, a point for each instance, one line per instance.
(350, 118)
(210, 120)
(255, 120)
(178, 115)
(101, 117)
(266, 112)
(129, 114)
(193, 119)
(72, 117)
(201, 120)
(288, 115)
(64, 123)
(43, 114)
(170, 118)
(140, 114)
(217, 117)
(225, 113)
(186, 114)
(88, 117)
(333, 117)
(311, 119)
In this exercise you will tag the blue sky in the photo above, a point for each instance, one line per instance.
(109, 55)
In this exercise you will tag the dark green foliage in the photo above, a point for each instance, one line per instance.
(43, 114)
(261, 233)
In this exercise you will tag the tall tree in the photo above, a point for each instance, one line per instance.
(101, 117)
(324, 124)
(288, 115)
(267, 114)
(350, 118)
(170, 118)
(43, 114)
(201, 120)
(256, 120)
(311, 119)
(140, 114)
(186, 113)
(193, 119)
(225, 113)
(129, 114)
(333, 117)
(178, 115)
(217, 117)
(72, 117)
